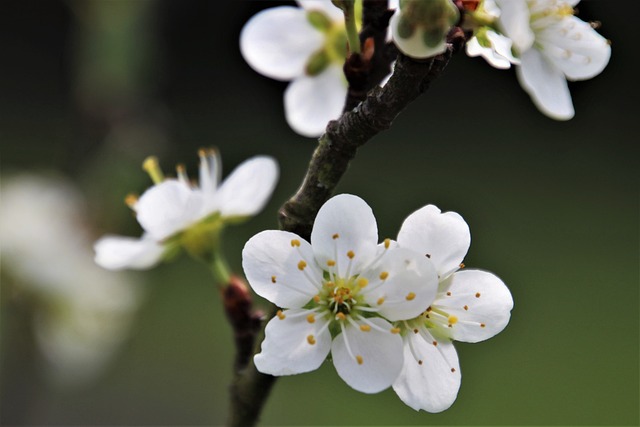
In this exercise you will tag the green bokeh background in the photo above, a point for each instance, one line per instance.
(552, 206)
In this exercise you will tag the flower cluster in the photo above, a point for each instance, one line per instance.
(174, 213)
(386, 312)
(547, 44)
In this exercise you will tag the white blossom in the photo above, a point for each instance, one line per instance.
(339, 294)
(553, 46)
(470, 306)
(175, 213)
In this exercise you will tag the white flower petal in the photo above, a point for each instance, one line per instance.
(514, 20)
(546, 85)
(278, 42)
(324, 6)
(247, 189)
(444, 238)
(310, 102)
(409, 286)
(414, 46)
(292, 344)
(272, 264)
(481, 302)
(433, 384)
(575, 47)
(167, 208)
(473, 48)
(345, 226)
(117, 253)
(502, 46)
(368, 361)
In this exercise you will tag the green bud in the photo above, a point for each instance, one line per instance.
(319, 20)
(317, 63)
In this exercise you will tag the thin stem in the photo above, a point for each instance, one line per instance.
(220, 267)
(350, 24)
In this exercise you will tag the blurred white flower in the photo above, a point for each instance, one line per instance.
(340, 293)
(175, 213)
(553, 46)
(470, 306)
(307, 45)
(83, 312)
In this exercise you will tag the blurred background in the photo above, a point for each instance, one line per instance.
(89, 88)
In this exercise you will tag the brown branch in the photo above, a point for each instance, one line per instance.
(338, 146)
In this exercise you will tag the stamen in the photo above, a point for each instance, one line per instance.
(380, 300)
(181, 171)
(346, 341)
(311, 318)
(152, 167)
(387, 243)
(331, 263)
(335, 236)
(462, 265)
(365, 328)
(362, 282)
(273, 279)
(295, 243)
(340, 316)
(482, 325)
(280, 315)
(410, 296)
(395, 330)
(311, 340)
(384, 275)
(478, 295)
(351, 254)
(316, 299)
(359, 359)
(466, 307)
(301, 265)
(131, 200)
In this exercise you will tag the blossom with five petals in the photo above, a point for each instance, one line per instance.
(470, 306)
(553, 46)
(339, 294)
(174, 213)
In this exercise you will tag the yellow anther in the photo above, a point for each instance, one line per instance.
(462, 265)
(453, 320)
(380, 300)
(335, 236)
(311, 318)
(329, 284)
(466, 307)
(478, 295)
(340, 316)
(419, 362)
(359, 359)
(482, 325)
(273, 279)
(387, 243)
(295, 243)
(453, 369)
(362, 282)
(384, 275)
(280, 315)
(395, 330)
(331, 263)
(202, 152)
(435, 343)
(316, 298)
(448, 294)
(365, 328)
(131, 200)
(152, 167)
(350, 254)
(410, 296)
(311, 340)
(302, 265)
(415, 331)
